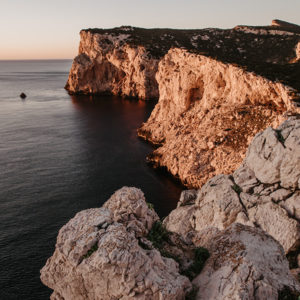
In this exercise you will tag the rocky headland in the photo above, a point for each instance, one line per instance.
(236, 238)
(124, 60)
(227, 125)
(216, 88)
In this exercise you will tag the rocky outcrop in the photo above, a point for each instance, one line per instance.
(245, 263)
(247, 221)
(298, 52)
(120, 251)
(98, 255)
(263, 192)
(208, 113)
(280, 23)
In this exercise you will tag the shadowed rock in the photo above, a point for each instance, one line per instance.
(23, 96)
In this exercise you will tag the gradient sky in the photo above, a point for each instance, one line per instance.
(36, 29)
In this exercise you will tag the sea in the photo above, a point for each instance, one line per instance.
(60, 154)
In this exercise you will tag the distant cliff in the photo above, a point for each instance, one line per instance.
(217, 88)
(124, 61)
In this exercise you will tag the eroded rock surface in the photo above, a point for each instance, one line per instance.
(245, 263)
(106, 64)
(264, 192)
(208, 113)
(108, 253)
(98, 255)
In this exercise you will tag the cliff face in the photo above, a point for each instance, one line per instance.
(207, 114)
(247, 222)
(263, 192)
(123, 61)
(217, 88)
(106, 64)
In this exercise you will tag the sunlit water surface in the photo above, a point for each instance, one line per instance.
(59, 155)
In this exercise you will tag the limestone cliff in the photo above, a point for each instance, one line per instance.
(123, 61)
(207, 114)
(106, 64)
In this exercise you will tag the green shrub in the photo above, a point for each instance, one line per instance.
(158, 235)
(237, 188)
(150, 205)
(201, 255)
(286, 294)
(91, 251)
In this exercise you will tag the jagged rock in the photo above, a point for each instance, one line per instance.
(98, 255)
(274, 158)
(129, 207)
(292, 206)
(245, 263)
(187, 197)
(280, 23)
(263, 192)
(179, 220)
(208, 113)
(276, 221)
(217, 204)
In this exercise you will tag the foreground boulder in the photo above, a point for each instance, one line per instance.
(264, 192)
(98, 255)
(245, 263)
(113, 253)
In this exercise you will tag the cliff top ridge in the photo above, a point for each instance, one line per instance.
(265, 50)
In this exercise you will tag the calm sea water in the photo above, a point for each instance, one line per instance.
(59, 155)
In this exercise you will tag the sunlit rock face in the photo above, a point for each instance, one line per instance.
(208, 113)
(284, 24)
(298, 52)
(264, 192)
(106, 64)
(124, 61)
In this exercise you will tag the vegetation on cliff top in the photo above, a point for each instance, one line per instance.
(245, 46)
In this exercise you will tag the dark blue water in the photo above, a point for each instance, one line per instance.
(59, 155)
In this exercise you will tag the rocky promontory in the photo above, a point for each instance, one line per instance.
(217, 88)
(211, 106)
(227, 125)
(236, 238)
(207, 114)
(124, 60)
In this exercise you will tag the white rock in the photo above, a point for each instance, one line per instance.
(245, 263)
(116, 267)
(243, 198)
(264, 156)
(129, 207)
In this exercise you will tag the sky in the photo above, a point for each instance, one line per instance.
(40, 29)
